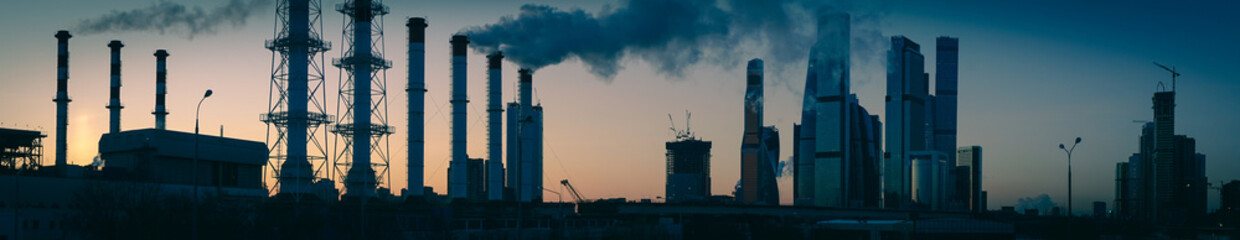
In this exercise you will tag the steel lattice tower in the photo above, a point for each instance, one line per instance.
(295, 115)
(362, 128)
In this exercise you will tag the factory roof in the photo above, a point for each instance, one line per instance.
(165, 143)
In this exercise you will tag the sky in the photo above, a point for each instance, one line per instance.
(1033, 74)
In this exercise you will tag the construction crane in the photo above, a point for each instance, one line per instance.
(1174, 74)
(685, 134)
(576, 195)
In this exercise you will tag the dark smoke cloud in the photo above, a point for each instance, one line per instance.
(168, 17)
(671, 35)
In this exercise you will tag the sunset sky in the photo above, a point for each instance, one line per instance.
(1032, 75)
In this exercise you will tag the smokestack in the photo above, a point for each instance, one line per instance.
(526, 143)
(495, 168)
(361, 179)
(417, 98)
(114, 103)
(526, 88)
(513, 170)
(535, 131)
(457, 181)
(161, 87)
(296, 173)
(62, 95)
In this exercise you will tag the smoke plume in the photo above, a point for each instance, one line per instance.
(784, 168)
(669, 34)
(167, 17)
(1042, 203)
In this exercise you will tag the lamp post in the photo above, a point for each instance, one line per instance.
(1069, 151)
(194, 228)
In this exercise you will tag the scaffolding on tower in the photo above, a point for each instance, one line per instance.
(296, 114)
(363, 60)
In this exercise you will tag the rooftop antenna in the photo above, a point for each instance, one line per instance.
(1174, 74)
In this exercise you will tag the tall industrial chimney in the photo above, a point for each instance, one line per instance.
(361, 179)
(526, 144)
(62, 95)
(494, 164)
(534, 129)
(114, 102)
(296, 173)
(417, 97)
(457, 181)
(161, 87)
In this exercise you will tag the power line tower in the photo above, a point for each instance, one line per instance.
(362, 128)
(296, 117)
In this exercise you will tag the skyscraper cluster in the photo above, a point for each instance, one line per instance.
(920, 166)
(839, 160)
(1165, 181)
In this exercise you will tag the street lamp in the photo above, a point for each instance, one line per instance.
(194, 229)
(1069, 151)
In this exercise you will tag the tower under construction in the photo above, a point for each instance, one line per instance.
(296, 117)
(362, 128)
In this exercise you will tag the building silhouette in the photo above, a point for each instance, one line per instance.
(822, 149)
(688, 169)
(919, 165)
(759, 145)
(969, 177)
(1164, 183)
(1230, 196)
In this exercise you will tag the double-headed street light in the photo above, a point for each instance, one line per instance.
(1069, 151)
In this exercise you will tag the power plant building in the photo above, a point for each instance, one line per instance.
(164, 156)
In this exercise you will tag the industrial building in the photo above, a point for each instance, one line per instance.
(163, 156)
(20, 149)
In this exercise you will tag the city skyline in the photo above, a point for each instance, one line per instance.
(1011, 107)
